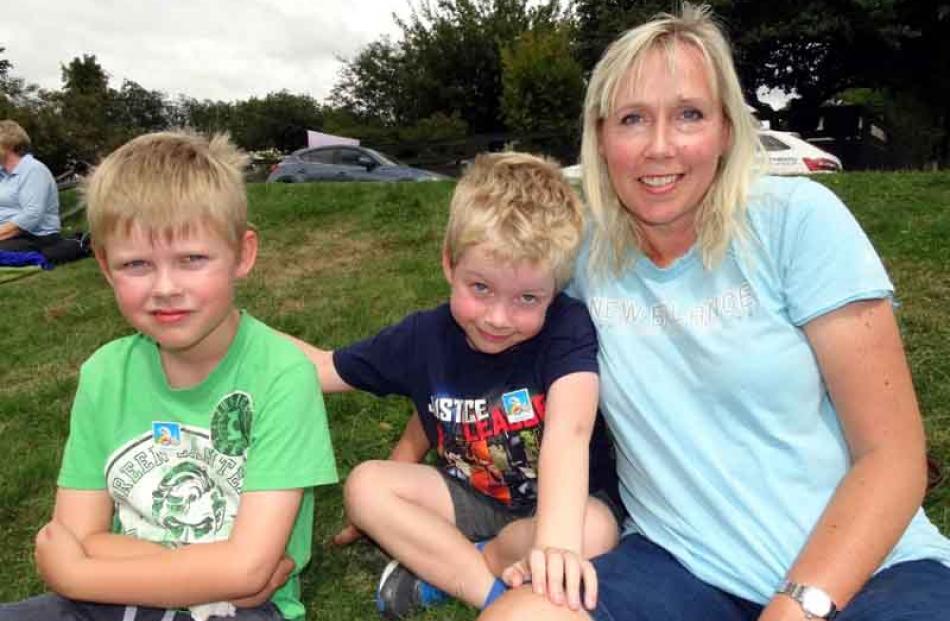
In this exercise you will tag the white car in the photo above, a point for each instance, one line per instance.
(788, 155)
(573, 173)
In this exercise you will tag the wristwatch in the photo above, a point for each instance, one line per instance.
(816, 603)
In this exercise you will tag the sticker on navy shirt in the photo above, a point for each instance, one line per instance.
(517, 406)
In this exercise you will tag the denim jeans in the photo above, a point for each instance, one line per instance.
(640, 581)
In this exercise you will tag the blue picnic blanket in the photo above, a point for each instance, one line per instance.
(23, 259)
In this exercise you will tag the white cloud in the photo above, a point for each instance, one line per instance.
(211, 49)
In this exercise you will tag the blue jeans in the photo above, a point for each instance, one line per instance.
(52, 607)
(640, 581)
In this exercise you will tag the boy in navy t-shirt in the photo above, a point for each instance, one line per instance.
(504, 381)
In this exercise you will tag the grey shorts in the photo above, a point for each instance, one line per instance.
(52, 607)
(477, 516)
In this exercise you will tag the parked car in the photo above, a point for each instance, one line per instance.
(790, 155)
(345, 163)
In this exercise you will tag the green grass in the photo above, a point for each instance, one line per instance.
(337, 263)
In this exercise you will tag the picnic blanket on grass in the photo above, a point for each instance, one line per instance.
(16, 265)
(8, 274)
(22, 259)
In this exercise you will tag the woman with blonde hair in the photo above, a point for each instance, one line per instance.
(769, 446)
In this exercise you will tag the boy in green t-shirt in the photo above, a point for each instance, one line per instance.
(206, 427)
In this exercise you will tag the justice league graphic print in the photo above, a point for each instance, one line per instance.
(492, 444)
(483, 414)
(179, 484)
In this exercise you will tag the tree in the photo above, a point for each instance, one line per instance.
(204, 116)
(278, 121)
(815, 48)
(137, 109)
(599, 22)
(542, 86)
(8, 87)
(15, 93)
(374, 85)
(923, 63)
(448, 61)
(86, 108)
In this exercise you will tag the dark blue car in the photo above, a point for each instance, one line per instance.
(345, 163)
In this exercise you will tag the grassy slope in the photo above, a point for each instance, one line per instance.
(337, 263)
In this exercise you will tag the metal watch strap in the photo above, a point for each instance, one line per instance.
(797, 592)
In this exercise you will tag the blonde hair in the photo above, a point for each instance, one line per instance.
(168, 183)
(522, 207)
(13, 137)
(720, 217)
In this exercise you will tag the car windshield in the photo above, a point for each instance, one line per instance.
(772, 143)
(385, 159)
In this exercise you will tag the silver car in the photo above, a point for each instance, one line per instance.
(345, 163)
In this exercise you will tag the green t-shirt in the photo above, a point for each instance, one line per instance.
(176, 461)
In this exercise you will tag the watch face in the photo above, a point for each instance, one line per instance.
(816, 602)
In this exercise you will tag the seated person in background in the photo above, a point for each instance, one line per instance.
(29, 201)
(507, 358)
(194, 444)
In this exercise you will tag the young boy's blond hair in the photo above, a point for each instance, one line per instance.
(522, 207)
(168, 183)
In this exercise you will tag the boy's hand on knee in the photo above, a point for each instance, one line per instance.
(347, 535)
(277, 580)
(559, 574)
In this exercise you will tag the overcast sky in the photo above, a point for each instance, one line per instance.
(215, 49)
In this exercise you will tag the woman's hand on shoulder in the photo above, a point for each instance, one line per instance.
(564, 576)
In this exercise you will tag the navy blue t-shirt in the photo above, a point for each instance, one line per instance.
(483, 413)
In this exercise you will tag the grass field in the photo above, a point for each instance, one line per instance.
(340, 261)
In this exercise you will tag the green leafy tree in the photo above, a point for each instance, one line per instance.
(542, 84)
(447, 61)
(599, 22)
(816, 49)
(373, 86)
(923, 68)
(16, 94)
(278, 121)
(138, 110)
(204, 116)
(7, 87)
(86, 107)
(51, 135)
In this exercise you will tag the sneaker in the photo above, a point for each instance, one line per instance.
(401, 592)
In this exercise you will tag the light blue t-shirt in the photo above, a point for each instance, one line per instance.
(28, 197)
(728, 446)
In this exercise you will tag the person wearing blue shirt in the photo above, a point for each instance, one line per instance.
(770, 449)
(29, 201)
